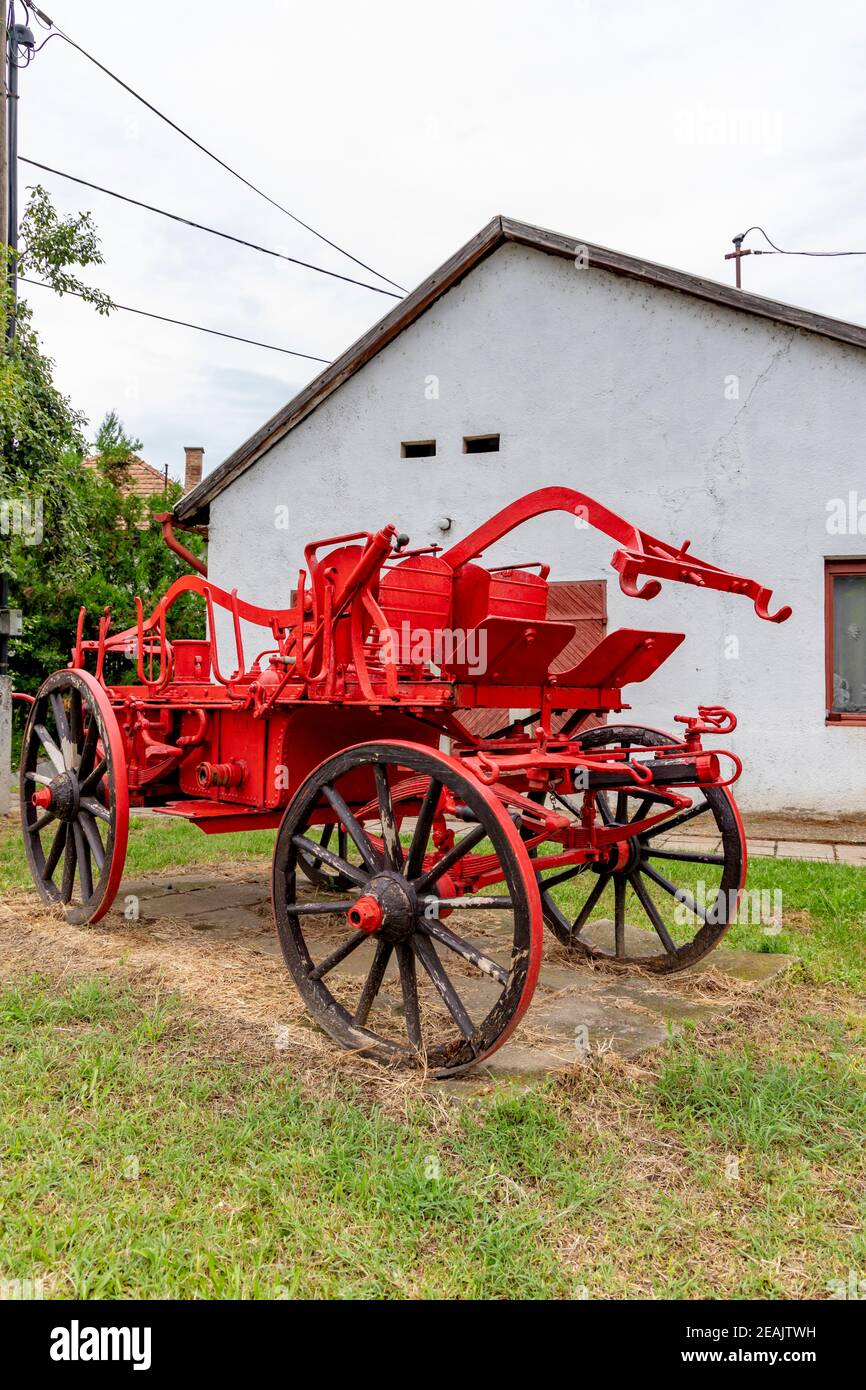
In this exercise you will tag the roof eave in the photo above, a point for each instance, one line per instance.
(194, 507)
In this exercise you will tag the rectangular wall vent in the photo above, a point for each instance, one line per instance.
(418, 448)
(481, 444)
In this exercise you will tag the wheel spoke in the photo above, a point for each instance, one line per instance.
(51, 748)
(421, 833)
(642, 808)
(687, 856)
(349, 945)
(449, 859)
(409, 986)
(325, 908)
(622, 808)
(58, 708)
(88, 752)
(619, 915)
(665, 826)
(426, 953)
(566, 802)
(478, 903)
(604, 810)
(324, 841)
(465, 949)
(57, 847)
(38, 777)
(41, 821)
(85, 874)
(390, 835)
(545, 884)
(95, 808)
(583, 916)
(321, 853)
(373, 982)
(91, 831)
(652, 912)
(355, 829)
(94, 777)
(69, 860)
(566, 928)
(76, 718)
(680, 894)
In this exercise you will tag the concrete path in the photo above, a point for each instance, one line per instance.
(828, 852)
(577, 1010)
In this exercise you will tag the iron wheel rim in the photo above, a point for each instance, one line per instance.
(632, 886)
(85, 772)
(352, 1030)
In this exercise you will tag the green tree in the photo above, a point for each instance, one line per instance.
(123, 556)
(41, 433)
(113, 445)
(50, 246)
(70, 535)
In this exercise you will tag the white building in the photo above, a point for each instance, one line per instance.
(693, 409)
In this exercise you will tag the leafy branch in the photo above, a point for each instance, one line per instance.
(51, 244)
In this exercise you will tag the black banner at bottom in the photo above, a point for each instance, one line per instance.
(85, 1339)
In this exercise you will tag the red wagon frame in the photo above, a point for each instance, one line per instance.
(345, 733)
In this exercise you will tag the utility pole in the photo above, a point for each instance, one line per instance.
(19, 39)
(4, 142)
(5, 683)
(15, 36)
(737, 255)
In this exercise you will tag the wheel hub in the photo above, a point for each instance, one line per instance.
(622, 858)
(388, 908)
(61, 797)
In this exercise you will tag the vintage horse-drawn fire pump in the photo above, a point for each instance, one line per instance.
(410, 884)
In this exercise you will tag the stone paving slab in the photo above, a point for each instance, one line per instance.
(576, 1008)
(822, 851)
(835, 852)
(803, 849)
(192, 897)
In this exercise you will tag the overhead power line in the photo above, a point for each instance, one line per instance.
(199, 226)
(182, 323)
(210, 154)
(778, 251)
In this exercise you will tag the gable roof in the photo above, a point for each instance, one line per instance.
(138, 476)
(194, 506)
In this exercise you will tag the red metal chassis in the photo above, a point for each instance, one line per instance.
(347, 663)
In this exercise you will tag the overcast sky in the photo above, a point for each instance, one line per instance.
(398, 130)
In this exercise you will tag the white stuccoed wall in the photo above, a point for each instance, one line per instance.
(617, 389)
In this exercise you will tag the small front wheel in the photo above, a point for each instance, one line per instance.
(432, 955)
(74, 796)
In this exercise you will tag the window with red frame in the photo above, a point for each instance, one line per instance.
(845, 625)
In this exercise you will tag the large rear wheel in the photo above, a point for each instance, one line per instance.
(664, 898)
(417, 962)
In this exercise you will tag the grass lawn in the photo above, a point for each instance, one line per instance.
(141, 1157)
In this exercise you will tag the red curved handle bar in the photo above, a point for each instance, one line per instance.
(639, 554)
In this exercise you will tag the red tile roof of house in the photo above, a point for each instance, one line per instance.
(140, 477)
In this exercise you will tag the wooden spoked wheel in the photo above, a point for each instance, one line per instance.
(74, 796)
(659, 903)
(403, 968)
(320, 873)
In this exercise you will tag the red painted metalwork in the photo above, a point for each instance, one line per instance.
(166, 522)
(386, 648)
